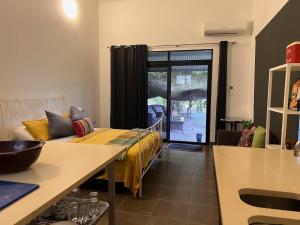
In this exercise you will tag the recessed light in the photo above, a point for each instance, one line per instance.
(70, 8)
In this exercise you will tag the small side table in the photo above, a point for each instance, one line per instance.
(232, 121)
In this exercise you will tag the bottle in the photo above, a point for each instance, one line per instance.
(75, 193)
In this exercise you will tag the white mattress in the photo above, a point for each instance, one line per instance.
(66, 139)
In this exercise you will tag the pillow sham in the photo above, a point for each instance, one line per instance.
(59, 126)
(77, 113)
(21, 133)
(39, 129)
(247, 137)
(83, 127)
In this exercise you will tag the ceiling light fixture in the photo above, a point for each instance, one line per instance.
(70, 8)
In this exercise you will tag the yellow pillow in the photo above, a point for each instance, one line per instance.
(39, 129)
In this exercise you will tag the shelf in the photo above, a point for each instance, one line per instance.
(287, 69)
(280, 110)
(272, 146)
(282, 68)
(276, 109)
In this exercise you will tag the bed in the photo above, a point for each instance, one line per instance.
(129, 169)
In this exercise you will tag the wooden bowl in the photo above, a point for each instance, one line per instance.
(16, 156)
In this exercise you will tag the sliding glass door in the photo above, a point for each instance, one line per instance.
(157, 96)
(189, 103)
(179, 88)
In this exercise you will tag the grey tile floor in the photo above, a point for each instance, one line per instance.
(179, 190)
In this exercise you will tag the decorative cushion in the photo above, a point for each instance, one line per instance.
(259, 137)
(83, 127)
(39, 129)
(246, 138)
(77, 113)
(21, 133)
(59, 126)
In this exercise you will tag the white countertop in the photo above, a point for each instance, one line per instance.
(239, 168)
(60, 168)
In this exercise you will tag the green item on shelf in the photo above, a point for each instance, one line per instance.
(247, 124)
(259, 137)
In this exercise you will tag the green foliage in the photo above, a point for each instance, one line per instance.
(247, 124)
(182, 81)
(198, 78)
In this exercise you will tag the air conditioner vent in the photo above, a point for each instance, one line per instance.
(228, 29)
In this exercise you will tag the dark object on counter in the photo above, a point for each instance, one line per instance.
(290, 144)
(16, 156)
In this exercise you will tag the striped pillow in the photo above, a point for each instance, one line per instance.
(83, 127)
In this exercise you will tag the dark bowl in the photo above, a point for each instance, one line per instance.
(16, 156)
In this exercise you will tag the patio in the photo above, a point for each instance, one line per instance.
(191, 127)
(188, 101)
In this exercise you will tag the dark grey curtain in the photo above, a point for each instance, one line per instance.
(128, 87)
(222, 85)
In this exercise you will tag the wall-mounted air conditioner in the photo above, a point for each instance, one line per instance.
(233, 28)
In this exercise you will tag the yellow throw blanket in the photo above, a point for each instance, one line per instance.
(127, 170)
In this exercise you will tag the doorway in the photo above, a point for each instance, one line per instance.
(179, 88)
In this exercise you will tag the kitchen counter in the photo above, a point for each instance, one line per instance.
(60, 168)
(245, 168)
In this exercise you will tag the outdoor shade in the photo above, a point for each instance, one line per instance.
(188, 82)
(180, 56)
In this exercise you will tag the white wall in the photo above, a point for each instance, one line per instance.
(264, 11)
(45, 54)
(159, 22)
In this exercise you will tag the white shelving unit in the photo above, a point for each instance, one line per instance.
(284, 111)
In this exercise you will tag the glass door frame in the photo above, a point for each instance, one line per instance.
(168, 66)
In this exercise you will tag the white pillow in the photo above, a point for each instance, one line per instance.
(21, 133)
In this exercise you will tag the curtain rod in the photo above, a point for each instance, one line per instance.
(180, 45)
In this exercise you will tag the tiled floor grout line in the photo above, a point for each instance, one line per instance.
(122, 202)
(187, 203)
(188, 215)
(207, 205)
(135, 214)
(132, 213)
(157, 217)
(190, 201)
(168, 173)
(176, 220)
(157, 200)
(190, 189)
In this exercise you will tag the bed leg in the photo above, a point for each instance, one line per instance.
(160, 155)
(111, 193)
(141, 190)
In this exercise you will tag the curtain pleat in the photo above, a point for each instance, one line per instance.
(222, 86)
(129, 87)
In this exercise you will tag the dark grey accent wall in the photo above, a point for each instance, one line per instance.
(271, 45)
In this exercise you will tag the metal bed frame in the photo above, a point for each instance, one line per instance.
(13, 111)
(155, 155)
